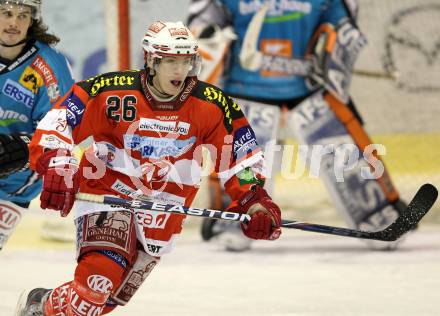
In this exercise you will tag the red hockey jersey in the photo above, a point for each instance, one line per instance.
(142, 146)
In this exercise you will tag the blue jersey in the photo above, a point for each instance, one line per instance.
(29, 86)
(287, 28)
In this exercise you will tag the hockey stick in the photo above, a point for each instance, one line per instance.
(408, 219)
(417, 208)
(251, 58)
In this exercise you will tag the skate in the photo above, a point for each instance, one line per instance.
(226, 233)
(31, 302)
(210, 228)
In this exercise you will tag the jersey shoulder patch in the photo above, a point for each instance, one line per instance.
(120, 80)
(212, 94)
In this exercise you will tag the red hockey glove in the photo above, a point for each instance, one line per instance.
(60, 180)
(265, 214)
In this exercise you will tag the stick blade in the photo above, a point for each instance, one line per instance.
(417, 208)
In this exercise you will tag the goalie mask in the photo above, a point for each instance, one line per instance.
(35, 6)
(168, 39)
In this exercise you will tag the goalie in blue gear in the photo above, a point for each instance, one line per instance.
(297, 58)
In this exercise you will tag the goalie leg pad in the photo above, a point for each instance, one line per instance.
(362, 140)
(365, 203)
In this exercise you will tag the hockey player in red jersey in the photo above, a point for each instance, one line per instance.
(148, 127)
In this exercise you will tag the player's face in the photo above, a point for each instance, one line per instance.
(171, 73)
(15, 21)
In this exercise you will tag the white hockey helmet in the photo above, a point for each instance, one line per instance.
(172, 39)
(35, 6)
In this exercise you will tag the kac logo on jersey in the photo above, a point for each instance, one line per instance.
(244, 142)
(18, 93)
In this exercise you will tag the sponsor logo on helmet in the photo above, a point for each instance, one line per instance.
(181, 31)
(183, 46)
(161, 47)
(156, 27)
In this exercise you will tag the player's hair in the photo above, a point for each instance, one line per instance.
(38, 31)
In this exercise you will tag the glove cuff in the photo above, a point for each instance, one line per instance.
(54, 158)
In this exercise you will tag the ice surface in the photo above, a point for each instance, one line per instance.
(300, 274)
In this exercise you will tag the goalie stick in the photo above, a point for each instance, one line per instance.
(252, 59)
(417, 208)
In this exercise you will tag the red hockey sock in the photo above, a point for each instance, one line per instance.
(96, 276)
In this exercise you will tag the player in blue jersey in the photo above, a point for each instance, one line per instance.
(291, 61)
(33, 76)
